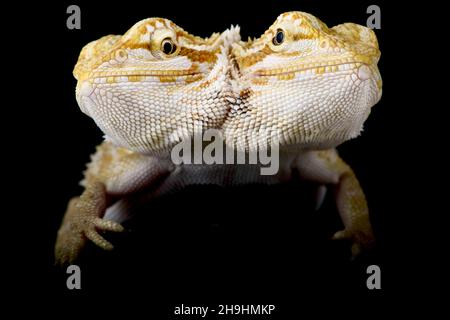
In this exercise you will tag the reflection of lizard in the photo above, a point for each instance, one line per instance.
(310, 87)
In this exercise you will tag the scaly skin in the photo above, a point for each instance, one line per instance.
(310, 89)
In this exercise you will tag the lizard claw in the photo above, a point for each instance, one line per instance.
(320, 196)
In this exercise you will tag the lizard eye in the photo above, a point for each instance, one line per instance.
(163, 44)
(279, 37)
(168, 46)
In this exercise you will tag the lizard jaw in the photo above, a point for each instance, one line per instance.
(83, 91)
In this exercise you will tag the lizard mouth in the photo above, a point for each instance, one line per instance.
(319, 68)
(146, 73)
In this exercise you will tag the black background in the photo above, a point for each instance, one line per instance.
(208, 245)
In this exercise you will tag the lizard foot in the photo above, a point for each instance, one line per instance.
(360, 240)
(81, 223)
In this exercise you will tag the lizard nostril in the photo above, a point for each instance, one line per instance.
(364, 72)
(121, 55)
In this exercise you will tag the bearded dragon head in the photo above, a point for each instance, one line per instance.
(154, 85)
(315, 82)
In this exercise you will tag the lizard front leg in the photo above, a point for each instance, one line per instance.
(327, 168)
(114, 172)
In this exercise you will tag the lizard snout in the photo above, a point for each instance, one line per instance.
(84, 91)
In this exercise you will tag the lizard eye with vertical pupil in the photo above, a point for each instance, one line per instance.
(279, 37)
(168, 47)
